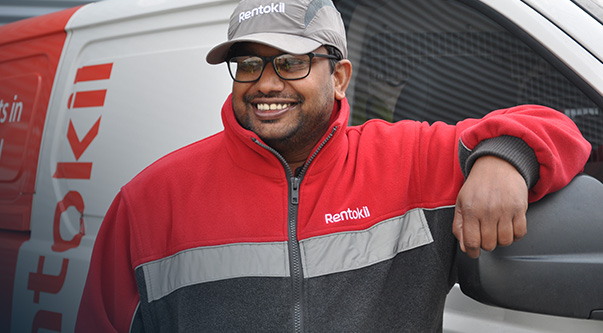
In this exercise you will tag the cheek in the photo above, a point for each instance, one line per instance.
(237, 93)
(317, 90)
(322, 93)
(238, 104)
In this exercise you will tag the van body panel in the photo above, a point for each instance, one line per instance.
(29, 55)
(563, 43)
(583, 28)
(110, 87)
(128, 90)
(36, 27)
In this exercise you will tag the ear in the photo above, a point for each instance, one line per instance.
(341, 77)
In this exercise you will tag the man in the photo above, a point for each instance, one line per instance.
(285, 221)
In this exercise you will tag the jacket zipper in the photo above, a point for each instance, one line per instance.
(295, 264)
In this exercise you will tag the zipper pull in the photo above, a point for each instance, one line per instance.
(294, 190)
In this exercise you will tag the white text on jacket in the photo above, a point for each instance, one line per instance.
(349, 214)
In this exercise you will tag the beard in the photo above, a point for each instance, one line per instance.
(308, 126)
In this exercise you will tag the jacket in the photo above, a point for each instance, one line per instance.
(221, 236)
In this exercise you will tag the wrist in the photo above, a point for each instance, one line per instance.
(511, 149)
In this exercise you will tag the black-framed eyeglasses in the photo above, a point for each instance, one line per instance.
(287, 66)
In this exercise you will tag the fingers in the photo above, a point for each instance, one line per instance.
(457, 228)
(467, 230)
(473, 237)
(505, 232)
(475, 234)
(490, 207)
(520, 227)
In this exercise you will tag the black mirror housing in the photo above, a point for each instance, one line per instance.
(557, 268)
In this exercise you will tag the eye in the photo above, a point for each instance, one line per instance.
(292, 63)
(249, 64)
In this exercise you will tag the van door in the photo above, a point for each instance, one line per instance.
(447, 60)
(29, 56)
(132, 85)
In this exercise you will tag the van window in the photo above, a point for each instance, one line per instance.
(443, 60)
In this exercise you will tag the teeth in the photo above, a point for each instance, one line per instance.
(273, 106)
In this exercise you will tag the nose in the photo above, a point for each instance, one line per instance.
(270, 81)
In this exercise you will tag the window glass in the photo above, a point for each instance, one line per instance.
(441, 60)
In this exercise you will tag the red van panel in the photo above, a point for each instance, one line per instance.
(29, 55)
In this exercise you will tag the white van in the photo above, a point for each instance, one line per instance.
(92, 95)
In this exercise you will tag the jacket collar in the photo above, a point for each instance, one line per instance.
(250, 156)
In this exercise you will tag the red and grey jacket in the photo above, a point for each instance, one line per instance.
(221, 236)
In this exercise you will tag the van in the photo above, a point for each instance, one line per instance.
(91, 95)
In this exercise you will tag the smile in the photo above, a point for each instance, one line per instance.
(272, 107)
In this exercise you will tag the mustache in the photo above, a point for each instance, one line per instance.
(250, 97)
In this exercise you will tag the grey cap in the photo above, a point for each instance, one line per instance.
(296, 27)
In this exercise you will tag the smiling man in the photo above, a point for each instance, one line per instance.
(287, 100)
(285, 221)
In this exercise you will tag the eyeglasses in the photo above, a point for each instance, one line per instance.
(287, 66)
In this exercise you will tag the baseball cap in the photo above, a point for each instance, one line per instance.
(293, 26)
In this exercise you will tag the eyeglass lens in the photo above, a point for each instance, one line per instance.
(287, 66)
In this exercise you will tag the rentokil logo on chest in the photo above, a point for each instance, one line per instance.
(259, 10)
(349, 214)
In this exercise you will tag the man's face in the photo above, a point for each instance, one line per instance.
(287, 115)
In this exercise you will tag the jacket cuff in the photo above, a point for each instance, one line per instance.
(511, 149)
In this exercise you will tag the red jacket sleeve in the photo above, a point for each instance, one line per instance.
(560, 148)
(110, 295)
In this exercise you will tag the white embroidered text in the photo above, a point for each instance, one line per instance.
(349, 214)
(259, 10)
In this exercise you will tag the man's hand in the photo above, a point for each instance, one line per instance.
(491, 207)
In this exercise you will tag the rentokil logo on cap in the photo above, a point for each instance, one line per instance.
(292, 26)
(259, 10)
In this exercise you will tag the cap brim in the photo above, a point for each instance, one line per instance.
(284, 42)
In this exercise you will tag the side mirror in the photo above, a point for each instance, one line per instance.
(557, 268)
